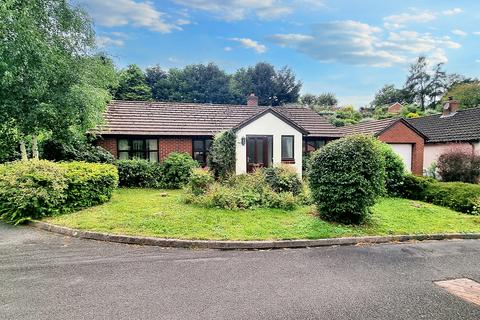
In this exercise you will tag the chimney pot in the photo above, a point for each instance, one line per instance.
(450, 107)
(252, 100)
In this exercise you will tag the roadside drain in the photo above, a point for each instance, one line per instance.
(464, 288)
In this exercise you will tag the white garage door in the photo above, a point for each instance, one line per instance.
(404, 150)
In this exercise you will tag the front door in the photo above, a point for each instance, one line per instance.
(259, 152)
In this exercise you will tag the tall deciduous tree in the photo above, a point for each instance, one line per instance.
(388, 95)
(468, 94)
(44, 48)
(133, 85)
(438, 84)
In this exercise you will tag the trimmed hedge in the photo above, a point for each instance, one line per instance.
(346, 177)
(139, 174)
(394, 169)
(458, 196)
(39, 188)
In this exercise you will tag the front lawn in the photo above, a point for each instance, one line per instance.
(145, 212)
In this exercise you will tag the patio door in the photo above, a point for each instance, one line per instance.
(259, 152)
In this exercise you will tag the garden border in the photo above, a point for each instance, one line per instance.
(249, 245)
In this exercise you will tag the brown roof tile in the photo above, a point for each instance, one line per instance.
(169, 118)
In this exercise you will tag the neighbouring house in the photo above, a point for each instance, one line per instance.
(453, 127)
(395, 108)
(405, 139)
(265, 135)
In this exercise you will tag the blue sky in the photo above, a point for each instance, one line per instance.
(350, 48)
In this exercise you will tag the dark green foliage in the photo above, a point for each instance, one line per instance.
(459, 196)
(459, 164)
(414, 187)
(394, 169)
(346, 177)
(221, 159)
(74, 149)
(9, 144)
(176, 169)
(139, 174)
(36, 189)
(245, 191)
(133, 85)
(89, 184)
(283, 179)
(200, 181)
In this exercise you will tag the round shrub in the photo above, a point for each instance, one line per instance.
(394, 169)
(200, 181)
(139, 174)
(283, 178)
(31, 190)
(176, 169)
(459, 164)
(346, 177)
(414, 187)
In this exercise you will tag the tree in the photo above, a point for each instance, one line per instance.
(437, 85)
(44, 48)
(156, 78)
(272, 88)
(327, 99)
(388, 95)
(133, 85)
(468, 94)
(344, 116)
(308, 100)
(418, 81)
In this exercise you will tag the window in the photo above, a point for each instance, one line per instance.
(287, 148)
(201, 147)
(138, 148)
(310, 145)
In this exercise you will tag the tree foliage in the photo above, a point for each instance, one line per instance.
(133, 85)
(221, 159)
(468, 94)
(46, 69)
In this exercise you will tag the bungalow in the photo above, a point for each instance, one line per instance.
(265, 136)
(451, 128)
(405, 139)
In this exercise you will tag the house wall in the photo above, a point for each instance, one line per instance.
(434, 150)
(402, 134)
(269, 124)
(166, 145)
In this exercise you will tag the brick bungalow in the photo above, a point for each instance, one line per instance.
(405, 139)
(452, 128)
(265, 136)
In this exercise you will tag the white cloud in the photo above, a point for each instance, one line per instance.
(398, 21)
(452, 12)
(142, 14)
(477, 33)
(227, 49)
(478, 60)
(459, 32)
(107, 41)
(356, 43)
(232, 10)
(251, 44)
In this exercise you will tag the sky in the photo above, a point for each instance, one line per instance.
(350, 48)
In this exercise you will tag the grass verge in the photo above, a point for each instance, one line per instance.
(145, 212)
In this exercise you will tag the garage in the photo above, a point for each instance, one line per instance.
(404, 150)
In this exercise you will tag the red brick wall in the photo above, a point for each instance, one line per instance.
(400, 133)
(109, 144)
(169, 145)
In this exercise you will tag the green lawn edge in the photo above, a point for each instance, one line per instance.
(146, 212)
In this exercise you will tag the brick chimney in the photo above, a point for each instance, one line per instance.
(450, 107)
(252, 100)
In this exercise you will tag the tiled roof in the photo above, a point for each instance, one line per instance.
(169, 118)
(373, 127)
(462, 126)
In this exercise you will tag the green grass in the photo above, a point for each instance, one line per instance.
(145, 212)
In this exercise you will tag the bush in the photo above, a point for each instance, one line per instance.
(139, 174)
(31, 190)
(75, 149)
(283, 178)
(176, 169)
(221, 159)
(200, 181)
(414, 187)
(459, 196)
(394, 169)
(38, 188)
(346, 177)
(459, 164)
(89, 184)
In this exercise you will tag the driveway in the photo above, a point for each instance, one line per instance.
(47, 276)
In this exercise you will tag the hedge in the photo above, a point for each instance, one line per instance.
(39, 188)
(139, 174)
(459, 196)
